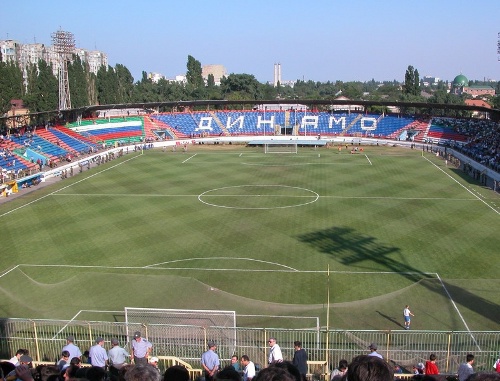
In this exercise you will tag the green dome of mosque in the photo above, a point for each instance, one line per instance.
(460, 80)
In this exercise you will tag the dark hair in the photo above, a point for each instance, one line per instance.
(369, 368)
(470, 357)
(274, 373)
(297, 344)
(245, 358)
(432, 357)
(176, 373)
(228, 373)
(290, 368)
(486, 376)
(65, 353)
(21, 352)
(343, 364)
(142, 372)
(96, 373)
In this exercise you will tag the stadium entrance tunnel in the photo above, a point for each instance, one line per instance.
(258, 197)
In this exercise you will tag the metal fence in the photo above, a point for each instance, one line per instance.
(45, 338)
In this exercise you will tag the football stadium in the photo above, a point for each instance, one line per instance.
(239, 225)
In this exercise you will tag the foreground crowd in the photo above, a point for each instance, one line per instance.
(118, 365)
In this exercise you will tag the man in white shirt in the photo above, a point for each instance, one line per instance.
(15, 360)
(274, 352)
(249, 368)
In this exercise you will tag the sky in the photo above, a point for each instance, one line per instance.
(318, 40)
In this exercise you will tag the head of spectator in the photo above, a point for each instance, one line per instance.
(234, 360)
(211, 345)
(76, 362)
(470, 358)
(46, 371)
(272, 341)
(176, 373)
(15, 360)
(486, 376)
(343, 364)
(290, 368)
(274, 373)
(369, 368)
(96, 373)
(154, 361)
(142, 372)
(245, 360)
(70, 339)
(25, 360)
(229, 374)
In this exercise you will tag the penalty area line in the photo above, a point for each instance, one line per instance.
(458, 311)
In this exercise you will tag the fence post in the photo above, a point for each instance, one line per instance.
(36, 341)
(448, 350)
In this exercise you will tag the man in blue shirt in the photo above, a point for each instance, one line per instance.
(210, 362)
(141, 349)
(98, 355)
(73, 350)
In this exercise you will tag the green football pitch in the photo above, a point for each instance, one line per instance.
(231, 228)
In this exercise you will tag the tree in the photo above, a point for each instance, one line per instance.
(193, 74)
(241, 86)
(78, 83)
(43, 88)
(412, 82)
(11, 85)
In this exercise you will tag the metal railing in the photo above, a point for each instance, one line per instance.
(45, 338)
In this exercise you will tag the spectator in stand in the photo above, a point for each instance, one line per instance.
(176, 373)
(300, 359)
(496, 365)
(340, 371)
(249, 368)
(142, 372)
(465, 369)
(369, 368)
(373, 351)
(275, 355)
(73, 349)
(274, 373)
(63, 361)
(235, 363)
(15, 360)
(430, 365)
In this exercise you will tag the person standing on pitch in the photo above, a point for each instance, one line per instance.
(406, 314)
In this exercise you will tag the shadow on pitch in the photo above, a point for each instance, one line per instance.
(348, 247)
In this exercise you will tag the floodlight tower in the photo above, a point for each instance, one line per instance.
(64, 46)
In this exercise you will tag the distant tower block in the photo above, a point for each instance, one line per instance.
(277, 74)
(498, 46)
(64, 46)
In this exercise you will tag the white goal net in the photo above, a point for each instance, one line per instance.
(173, 329)
(280, 147)
(200, 318)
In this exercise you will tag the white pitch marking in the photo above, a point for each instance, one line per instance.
(189, 158)
(225, 258)
(369, 161)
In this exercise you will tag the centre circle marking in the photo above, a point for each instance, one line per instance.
(307, 194)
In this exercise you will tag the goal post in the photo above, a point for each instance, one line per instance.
(280, 147)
